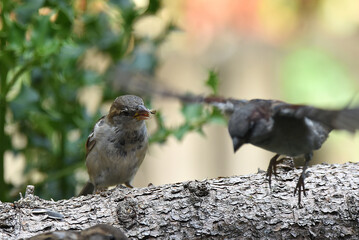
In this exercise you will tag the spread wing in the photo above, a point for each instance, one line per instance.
(344, 119)
(91, 141)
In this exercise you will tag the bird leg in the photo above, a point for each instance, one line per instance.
(272, 168)
(300, 185)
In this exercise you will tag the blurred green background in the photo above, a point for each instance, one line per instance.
(62, 62)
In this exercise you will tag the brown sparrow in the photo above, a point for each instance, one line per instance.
(117, 145)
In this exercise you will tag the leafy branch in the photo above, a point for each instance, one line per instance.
(196, 116)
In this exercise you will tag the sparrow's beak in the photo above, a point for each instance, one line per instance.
(143, 113)
(237, 143)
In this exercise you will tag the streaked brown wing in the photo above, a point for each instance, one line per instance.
(90, 143)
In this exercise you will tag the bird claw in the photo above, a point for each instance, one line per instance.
(300, 185)
(272, 168)
(300, 188)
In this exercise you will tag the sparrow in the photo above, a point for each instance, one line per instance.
(286, 129)
(98, 232)
(117, 145)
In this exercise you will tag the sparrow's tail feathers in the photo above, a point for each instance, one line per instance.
(89, 188)
(347, 119)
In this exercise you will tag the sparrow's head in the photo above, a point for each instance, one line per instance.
(239, 127)
(129, 107)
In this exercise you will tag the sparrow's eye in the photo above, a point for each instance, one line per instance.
(125, 112)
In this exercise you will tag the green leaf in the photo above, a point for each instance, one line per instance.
(25, 102)
(49, 48)
(144, 58)
(181, 131)
(42, 32)
(213, 81)
(65, 15)
(123, 4)
(220, 120)
(153, 6)
(192, 111)
(64, 22)
(217, 117)
(161, 134)
(25, 12)
(16, 37)
(201, 132)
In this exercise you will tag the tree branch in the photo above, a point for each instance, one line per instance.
(231, 208)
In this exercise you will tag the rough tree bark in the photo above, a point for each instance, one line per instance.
(224, 208)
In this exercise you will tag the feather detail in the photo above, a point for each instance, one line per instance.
(90, 143)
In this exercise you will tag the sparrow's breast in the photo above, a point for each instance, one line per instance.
(117, 156)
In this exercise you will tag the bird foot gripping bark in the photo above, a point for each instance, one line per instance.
(272, 169)
(273, 166)
(300, 188)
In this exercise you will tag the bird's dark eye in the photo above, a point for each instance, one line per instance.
(125, 112)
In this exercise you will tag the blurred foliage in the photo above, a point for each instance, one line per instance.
(44, 48)
(330, 82)
(213, 81)
(195, 115)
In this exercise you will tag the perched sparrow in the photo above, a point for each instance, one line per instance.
(290, 130)
(97, 232)
(117, 145)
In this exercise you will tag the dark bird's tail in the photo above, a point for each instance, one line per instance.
(347, 119)
(342, 119)
(87, 189)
